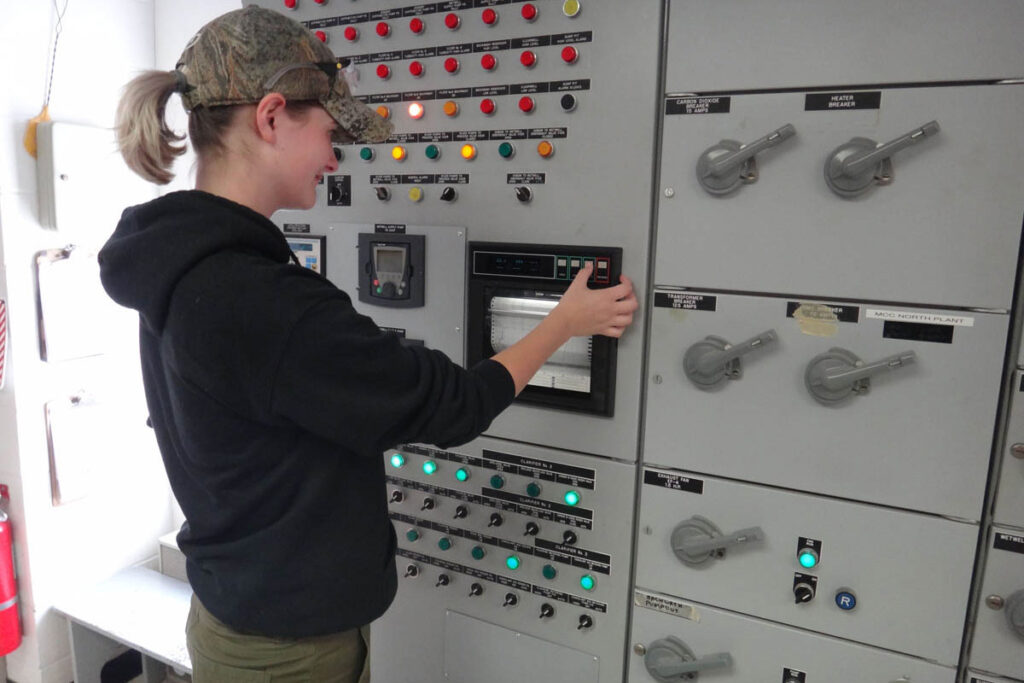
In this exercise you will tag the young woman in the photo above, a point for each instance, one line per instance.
(271, 398)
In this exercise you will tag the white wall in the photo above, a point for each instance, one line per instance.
(103, 43)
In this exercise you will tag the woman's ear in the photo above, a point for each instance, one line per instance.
(268, 114)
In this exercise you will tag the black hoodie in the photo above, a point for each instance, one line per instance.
(272, 402)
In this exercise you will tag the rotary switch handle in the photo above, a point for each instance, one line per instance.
(697, 540)
(854, 166)
(722, 167)
(1014, 607)
(669, 659)
(713, 359)
(835, 375)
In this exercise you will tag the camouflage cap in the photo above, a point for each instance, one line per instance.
(241, 56)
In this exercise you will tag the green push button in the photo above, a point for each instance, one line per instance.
(433, 152)
(462, 474)
(506, 150)
(412, 535)
(366, 154)
(477, 552)
(533, 489)
(572, 498)
(587, 582)
(397, 460)
(512, 562)
(429, 466)
(445, 543)
(497, 481)
(549, 572)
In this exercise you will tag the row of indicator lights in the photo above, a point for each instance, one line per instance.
(506, 150)
(488, 106)
(462, 474)
(488, 61)
(452, 21)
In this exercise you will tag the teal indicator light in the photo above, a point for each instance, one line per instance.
(512, 562)
(549, 572)
(477, 552)
(433, 152)
(533, 489)
(497, 481)
(397, 460)
(412, 535)
(366, 154)
(808, 559)
(445, 543)
(572, 498)
(506, 150)
(587, 582)
(462, 474)
(429, 467)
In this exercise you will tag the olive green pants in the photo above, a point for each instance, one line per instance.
(222, 655)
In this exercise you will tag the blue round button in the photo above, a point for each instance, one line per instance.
(846, 600)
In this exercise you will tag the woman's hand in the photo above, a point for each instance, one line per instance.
(584, 312)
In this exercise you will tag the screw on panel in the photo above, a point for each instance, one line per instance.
(640, 649)
(994, 601)
(670, 192)
(1017, 450)
(657, 379)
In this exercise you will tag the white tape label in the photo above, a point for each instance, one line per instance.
(921, 317)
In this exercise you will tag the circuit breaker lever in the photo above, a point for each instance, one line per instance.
(697, 540)
(854, 166)
(713, 359)
(837, 374)
(670, 660)
(722, 167)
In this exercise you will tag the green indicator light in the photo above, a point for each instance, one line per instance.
(572, 498)
(506, 150)
(445, 543)
(429, 467)
(512, 562)
(397, 460)
(808, 560)
(549, 572)
(533, 490)
(497, 481)
(366, 154)
(462, 474)
(478, 553)
(587, 582)
(432, 151)
(380, 289)
(412, 535)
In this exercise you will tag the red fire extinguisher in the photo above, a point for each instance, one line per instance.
(10, 627)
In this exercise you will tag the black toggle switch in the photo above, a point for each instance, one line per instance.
(461, 512)
(546, 611)
(412, 571)
(569, 537)
(475, 589)
(511, 600)
(448, 194)
(585, 622)
(532, 529)
(397, 496)
(428, 504)
(496, 519)
(524, 193)
(442, 580)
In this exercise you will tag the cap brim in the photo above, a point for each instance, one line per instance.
(358, 122)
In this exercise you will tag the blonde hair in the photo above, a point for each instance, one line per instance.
(149, 146)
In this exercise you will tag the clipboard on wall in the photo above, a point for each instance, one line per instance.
(77, 429)
(72, 309)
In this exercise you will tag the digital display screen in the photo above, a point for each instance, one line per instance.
(514, 265)
(389, 259)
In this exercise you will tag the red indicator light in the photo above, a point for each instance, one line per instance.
(351, 33)
(490, 17)
(526, 104)
(451, 65)
(570, 54)
(529, 11)
(488, 106)
(489, 62)
(416, 69)
(291, 4)
(321, 36)
(383, 29)
(452, 21)
(384, 71)
(528, 58)
(416, 25)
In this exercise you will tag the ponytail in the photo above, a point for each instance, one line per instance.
(147, 144)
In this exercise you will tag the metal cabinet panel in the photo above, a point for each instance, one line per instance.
(457, 535)
(919, 439)
(880, 563)
(997, 647)
(794, 43)
(763, 651)
(1009, 508)
(946, 231)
